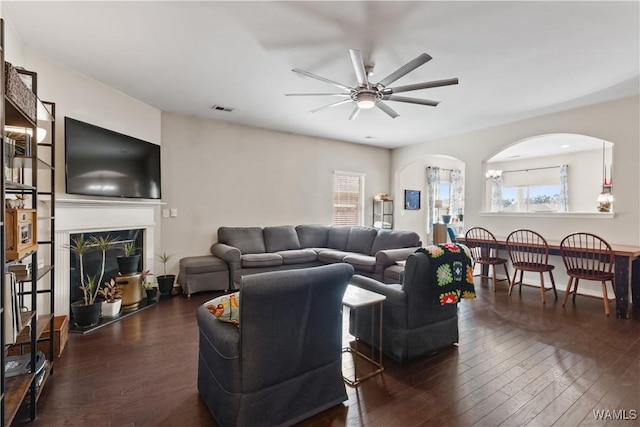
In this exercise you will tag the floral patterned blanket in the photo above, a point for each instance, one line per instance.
(453, 273)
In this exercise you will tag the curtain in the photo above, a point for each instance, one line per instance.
(496, 193)
(433, 190)
(457, 192)
(564, 188)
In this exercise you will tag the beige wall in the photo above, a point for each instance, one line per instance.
(616, 121)
(221, 174)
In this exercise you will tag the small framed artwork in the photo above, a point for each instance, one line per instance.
(412, 200)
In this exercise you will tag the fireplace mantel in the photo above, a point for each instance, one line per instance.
(93, 215)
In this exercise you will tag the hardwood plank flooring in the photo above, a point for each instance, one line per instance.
(518, 363)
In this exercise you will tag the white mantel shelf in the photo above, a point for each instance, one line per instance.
(102, 202)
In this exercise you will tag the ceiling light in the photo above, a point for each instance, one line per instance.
(366, 99)
(565, 146)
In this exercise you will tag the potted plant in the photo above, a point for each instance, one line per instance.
(460, 215)
(129, 261)
(86, 311)
(112, 295)
(150, 288)
(165, 281)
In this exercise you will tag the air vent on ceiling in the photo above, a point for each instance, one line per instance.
(221, 108)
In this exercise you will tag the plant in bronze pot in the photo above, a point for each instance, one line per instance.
(129, 261)
(165, 281)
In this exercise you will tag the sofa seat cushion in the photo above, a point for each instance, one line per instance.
(248, 240)
(312, 236)
(261, 260)
(394, 239)
(361, 262)
(298, 256)
(330, 256)
(280, 238)
(361, 240)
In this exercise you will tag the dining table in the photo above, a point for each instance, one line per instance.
(626, 272)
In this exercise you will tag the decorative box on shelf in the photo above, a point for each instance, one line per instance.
(19, 93)
(20, 232)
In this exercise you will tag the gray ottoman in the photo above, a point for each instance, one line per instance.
(203, 273)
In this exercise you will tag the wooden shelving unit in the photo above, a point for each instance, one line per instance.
(19, 394)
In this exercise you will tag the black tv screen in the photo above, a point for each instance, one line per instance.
(101, 162)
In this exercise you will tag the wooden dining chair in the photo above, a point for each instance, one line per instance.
(529, 251)
(484, 251)
(589, 257)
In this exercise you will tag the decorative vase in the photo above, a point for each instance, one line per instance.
(85, 315)
(446, 219)
(128, 264)
(151, 295)
(165, 284)
(111, 309)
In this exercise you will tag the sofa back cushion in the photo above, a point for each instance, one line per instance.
(361, 239)
(247, 239)
(313, 236)
(338, 237)
(394, 239)
(280, 238)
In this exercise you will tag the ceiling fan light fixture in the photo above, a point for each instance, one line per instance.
(366, 100)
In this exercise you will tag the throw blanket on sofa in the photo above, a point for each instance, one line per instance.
(453, 274)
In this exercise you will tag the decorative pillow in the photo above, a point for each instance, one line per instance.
(225, 307)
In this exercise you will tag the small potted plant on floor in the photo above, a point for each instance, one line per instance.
(112, 295)
(460, 215)
(149, 287)
(165, 281)
(129, 261)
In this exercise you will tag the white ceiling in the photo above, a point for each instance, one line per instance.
(514, 59)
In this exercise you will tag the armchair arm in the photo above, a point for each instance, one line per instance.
(388, 257)
(395, 306)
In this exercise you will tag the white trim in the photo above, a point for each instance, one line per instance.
(557, 215)
(337, 172)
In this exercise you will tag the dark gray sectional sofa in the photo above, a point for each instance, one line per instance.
(249, 250)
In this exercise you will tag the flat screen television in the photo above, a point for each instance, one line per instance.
(101, 162)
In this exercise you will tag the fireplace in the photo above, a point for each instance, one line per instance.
(75, 216)
(93, 259)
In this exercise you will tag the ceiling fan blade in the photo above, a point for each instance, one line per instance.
(331, 82)
(405, 69)
(358, 67)
(425, 85)
(384, 107)
(318, 94)
(330, 105)
(411, 100)
(355, 113)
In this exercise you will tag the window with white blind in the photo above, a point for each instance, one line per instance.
(348, 198)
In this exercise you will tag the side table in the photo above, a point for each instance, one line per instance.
(355, 298)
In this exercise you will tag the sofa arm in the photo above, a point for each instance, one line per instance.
(226, 252)
(388, 257)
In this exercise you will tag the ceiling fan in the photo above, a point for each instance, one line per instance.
(368, 95)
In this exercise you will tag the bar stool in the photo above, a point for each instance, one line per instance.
(529, 251)
(484, 251)
(589, 257)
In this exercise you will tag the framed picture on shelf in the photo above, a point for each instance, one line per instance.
(412, 200)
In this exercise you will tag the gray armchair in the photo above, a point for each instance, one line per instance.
(282, 364)
(413, 324)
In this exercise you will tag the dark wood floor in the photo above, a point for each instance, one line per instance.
(518, 363)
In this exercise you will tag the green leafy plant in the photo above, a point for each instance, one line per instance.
(81, 246)
(111, 291)
(164, 258)
(146, 284)
(129, 249)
